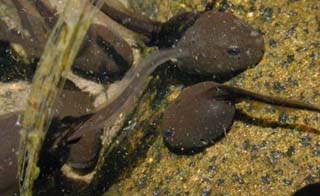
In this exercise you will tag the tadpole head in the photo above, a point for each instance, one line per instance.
(196, 120)
(221, 44)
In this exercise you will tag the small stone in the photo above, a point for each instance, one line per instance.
(290, 59)
(265, 179)
(273, 43)
(157, 191)
(246, 145)
(220, 181)
(237, 179)
(275, 156)
(278, 87)
(287, 182)
(291, 150)
(316, 150)
(212, 168)
(267, 13)
(206, 192)
(305, 141)
(283, 118)
(224, 5)
(290, 32)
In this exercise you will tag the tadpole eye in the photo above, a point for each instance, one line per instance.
(234, 51)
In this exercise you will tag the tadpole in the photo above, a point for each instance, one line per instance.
(71, 108)
(204, 112)
(105, 50)
(220, 42)
(200, 52)
(212, 43)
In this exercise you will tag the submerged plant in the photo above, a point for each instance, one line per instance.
(57, 58)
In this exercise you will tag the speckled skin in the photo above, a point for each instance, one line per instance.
(8, 162)
(220, 44)
(70, 103)
(197, 118)
(205, 111)
(309, 190)
(256, 158)
(261, 155)
(102, 50)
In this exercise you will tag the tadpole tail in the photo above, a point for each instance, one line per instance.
(26, 24)
(132, 84)
(49, 15)
(242, 93)
(9, 35)
(135, 22)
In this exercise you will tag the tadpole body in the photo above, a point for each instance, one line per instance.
(84, 152)
(227, 44)
(72, 107)
(221, 44)
(103, 51)
(204, 112)
(198, 44)
(187, 49)
(308, 190)
(206, 43)
(218, 43)
(196, 119)
(8, 155)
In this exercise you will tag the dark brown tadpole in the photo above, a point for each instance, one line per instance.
(9, 143)
(220, 43)
(72, 107)
(196, 119)
(204, 112)
(134, 80)
(84, 152)
(309, 190)
(217, 43)
(103, 51)
(161, 34)
(133, 21)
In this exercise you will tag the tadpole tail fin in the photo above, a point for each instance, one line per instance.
(242, 93)
(48, 14)
(133, 21)
(26, 24)
(63, 131)
(132, 84)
